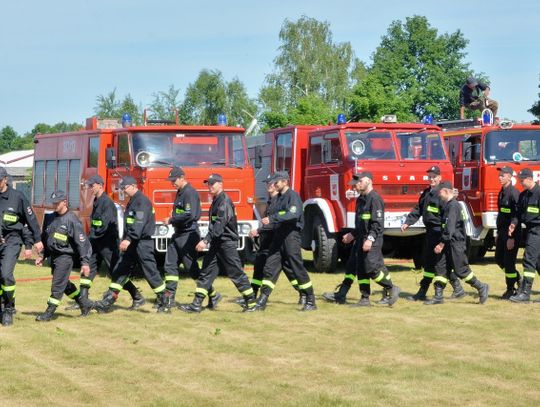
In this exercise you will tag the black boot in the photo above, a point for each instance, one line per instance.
(214, 299)
(524, 294)
(390, 296)
(302, 298)
(48, 314)
(195, 306)
(105, 304)
(421, 294)
(260, 305)
(310, 303)
(458, 292)
(438, 297)
(84, 303)
(363, 302)
(339, 296)
(249, 303)
(7, 316)
(138, 299)
(483, 290)
(510, 292)
(167, 301)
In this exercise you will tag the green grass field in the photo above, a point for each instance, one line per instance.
(459, 353)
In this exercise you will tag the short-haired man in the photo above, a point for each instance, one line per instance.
(474, 96)
(528, 210)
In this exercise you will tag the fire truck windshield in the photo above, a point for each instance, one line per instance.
(512, 145)
(158, 149)
(420, 146)
(370, 145)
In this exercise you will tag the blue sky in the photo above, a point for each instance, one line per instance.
(56, 57)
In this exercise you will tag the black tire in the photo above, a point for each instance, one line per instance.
(325, 253)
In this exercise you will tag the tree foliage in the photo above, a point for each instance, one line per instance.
(110, 107)
(535, 109)
(415, 71)
(166, 105)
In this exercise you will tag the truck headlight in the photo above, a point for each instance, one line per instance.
(162, 230)
(244, 228)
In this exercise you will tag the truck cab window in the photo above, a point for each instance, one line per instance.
(283, 152)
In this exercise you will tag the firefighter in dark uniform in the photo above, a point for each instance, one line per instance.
(181, 248)
(429, 207)
(505, 254)
(104, 240)
(287, 221)
(136, 246)
(65, 241)
(453, 245)
(223, 240)
(15, 213)
(528, 214)
(368, 240)
(265, 233)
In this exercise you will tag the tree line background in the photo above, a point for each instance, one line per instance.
(413, 72)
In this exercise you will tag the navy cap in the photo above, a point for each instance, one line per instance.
(213, 178)
(95, 179)
(357, 177)
(3, 172)
(446, 184)
(58, 196)
(435, 170)
(175, 173)
(281, 175)
(472, 81)
(506, 170)
(525, 173)
(127, 180)
(269, 179)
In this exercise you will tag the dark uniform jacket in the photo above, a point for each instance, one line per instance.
(508, 209)
(453, 223)
(468, 95)
(64, 234)
(369, 219)
(16, 211)
(103, 224)
(223, 224)
(529, 207)
(429, 207)
(187, 209)
(139, 218)
(271, 209)
(288, 211)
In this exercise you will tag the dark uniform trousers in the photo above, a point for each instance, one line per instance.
(9, 252)
(438, 267)
(222, 254)
(141, 251)
(370, 265)
(531, 257)
(506, 259)
(455, 253)
(61, 266)
(265, 240)
(286, 248)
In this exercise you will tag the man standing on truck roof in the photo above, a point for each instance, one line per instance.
(453, 245)
(529, 214)
(137, 246)
(474, 96)
(429, 207)
(15, 212)
(507, 246)
(181, 248)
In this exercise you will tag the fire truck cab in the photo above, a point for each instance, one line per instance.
(66, 160)
(477, 151)
(321, 160)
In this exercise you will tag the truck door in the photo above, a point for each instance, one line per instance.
(467, 177)
(89, 168)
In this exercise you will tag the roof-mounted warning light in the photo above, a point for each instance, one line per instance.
(126, 120)
(389, 118)
(487, 117)
(427, 119)
(341, 119)
(506, 124)
(222, 120)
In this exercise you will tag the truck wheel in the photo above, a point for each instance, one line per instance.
(325, 249)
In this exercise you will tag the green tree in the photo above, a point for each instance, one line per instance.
(535, 109)
(110, 107)
(9, 140)
(309, 67)
(210, 95)
(166, 105)
(415, 71)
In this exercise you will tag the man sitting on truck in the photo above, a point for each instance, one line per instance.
(474, 96)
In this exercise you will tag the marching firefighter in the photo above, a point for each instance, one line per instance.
(507, 247)
(181, 248)
(453, 245)
(368, 240)
(135, 247)
(287, 221)
(104, 240)
(529, 214)
(429, 207)
(266, 235)
(65, 241)
(222, 237)
(339, 296)
(15, 212)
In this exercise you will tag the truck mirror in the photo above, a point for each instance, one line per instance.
(110, 157)
(258, 157)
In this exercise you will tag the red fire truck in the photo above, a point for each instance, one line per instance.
(476, 152)
(322, 160)
(66, 160)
